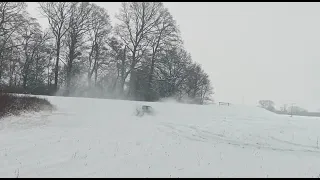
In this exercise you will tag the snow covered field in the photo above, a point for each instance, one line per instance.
(103, 138)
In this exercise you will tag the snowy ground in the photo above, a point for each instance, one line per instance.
(103, 138)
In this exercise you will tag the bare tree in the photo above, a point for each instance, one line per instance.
(198, 86)
(284, 108)
(119, 53)
(144, 48)
(31, 37)
(100, 27)
(58, 14)
(296, 110)
(267, 104)
(205, 91)
(173, 72)
(137, 19)
(11, 19)
(78, 26)
(164, 34)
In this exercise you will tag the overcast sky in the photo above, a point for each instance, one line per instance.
(251, 51)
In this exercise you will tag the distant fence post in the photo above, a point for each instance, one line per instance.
(224, 103)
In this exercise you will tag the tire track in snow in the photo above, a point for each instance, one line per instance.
(209, 137)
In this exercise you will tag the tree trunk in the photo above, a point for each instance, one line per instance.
(132, 74)
(24, 83)
(149, 90)
(95, 65)
(1, 65)
(15, 81)
(49, 74)
(132, 83)
(56, 70)
(123, 78)
(89, 79)
(153, 59)
(69, 68)
(37, 67)
(96, 75)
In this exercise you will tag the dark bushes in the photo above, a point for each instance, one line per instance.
(11, 104)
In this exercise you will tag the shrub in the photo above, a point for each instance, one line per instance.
(14, 105)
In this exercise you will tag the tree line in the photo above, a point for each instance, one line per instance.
(82, 53)
(286, 109)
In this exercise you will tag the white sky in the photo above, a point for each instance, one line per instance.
(252, 51)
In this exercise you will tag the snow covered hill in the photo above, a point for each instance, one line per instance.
(103, 138)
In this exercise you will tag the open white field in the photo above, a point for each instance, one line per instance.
(103, 138)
